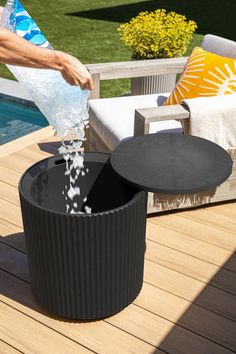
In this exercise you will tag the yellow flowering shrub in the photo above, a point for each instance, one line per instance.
(157, 34)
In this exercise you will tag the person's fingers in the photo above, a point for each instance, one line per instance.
(76, 74)
(82, 85)
(90, 84)
(79, 77)
(87, 83)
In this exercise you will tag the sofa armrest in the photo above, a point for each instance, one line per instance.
(144, 116)
(135, 68)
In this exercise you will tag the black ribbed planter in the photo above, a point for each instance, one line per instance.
(83, 266)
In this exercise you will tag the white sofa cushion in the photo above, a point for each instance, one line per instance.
(113, 118)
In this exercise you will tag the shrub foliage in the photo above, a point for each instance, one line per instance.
(157, 34)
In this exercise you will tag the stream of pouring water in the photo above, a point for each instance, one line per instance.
(74, 158)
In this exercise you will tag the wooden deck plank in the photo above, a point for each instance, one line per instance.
(14, 262)
(154, 328)
(10, 176)
(194, 247)
(7, 228)
(11, 213)
(12, 235)
(157, 330)
(30, 155)
(202, 294)
(208, 217)
(46, 148)
(195, 229)
(167, 305)
(7, 349)
(21, 160)
(13, 162)
(9, 193)
(96, 335)
(206, 323)
(36, 148)
(30, 336)
(192, 267)
(229, 214)
(51, 139)
(200, 323)
(228, 209)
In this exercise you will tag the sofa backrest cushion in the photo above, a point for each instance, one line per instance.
(219, 45)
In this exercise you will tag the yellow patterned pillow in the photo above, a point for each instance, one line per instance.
(205, 74)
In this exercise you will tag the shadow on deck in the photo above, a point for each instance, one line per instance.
(211, 314)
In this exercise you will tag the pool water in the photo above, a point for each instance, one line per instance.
(17, 120)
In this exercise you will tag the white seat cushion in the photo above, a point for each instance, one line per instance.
(113, 118)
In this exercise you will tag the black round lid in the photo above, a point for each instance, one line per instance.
(171, 163)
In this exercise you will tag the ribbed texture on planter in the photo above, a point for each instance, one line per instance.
(152, 84)
(86, 266)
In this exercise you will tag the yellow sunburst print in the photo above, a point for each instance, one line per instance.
(206, 74)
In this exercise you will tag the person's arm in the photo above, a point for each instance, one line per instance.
(17, 51)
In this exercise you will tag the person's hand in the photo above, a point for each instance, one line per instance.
(74, 72)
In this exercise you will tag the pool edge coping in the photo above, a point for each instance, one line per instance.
(12, 90)
(25, 141)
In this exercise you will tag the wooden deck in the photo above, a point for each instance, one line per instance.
(187, 304)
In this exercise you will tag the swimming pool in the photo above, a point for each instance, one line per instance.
(17, 120)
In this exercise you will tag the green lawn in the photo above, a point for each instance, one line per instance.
(88, 29)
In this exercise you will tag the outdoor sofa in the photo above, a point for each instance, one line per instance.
(115, 119)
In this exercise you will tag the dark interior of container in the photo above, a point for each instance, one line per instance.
(102, 186)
